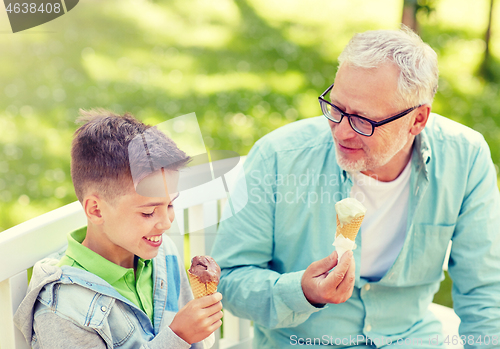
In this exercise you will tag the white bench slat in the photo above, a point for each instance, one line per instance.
(30, 241)
(242, 344)
(196, 233)
(210, 219)
(238, 331)
(12, 292)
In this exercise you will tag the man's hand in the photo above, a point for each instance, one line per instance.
(198, 318)
(320, 286)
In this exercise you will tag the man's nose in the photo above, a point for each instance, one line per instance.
(343, 130)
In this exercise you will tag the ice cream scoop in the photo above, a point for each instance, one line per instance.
(350, 215)
(349, 209)
(204, 275)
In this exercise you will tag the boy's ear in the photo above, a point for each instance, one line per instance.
(92, 205)
(421, 117)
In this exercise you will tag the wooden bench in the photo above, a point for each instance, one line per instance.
(198, 210)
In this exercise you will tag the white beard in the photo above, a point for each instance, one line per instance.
(369, 161)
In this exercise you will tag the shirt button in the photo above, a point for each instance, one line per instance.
(103, 309)
(367, 287)
(368, 328)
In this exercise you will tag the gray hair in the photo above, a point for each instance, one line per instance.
(416, 60)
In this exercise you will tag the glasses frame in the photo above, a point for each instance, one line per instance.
(371, 122)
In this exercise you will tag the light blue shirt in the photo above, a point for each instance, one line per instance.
(293, 182)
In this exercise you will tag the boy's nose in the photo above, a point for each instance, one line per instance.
(164, 224)
(166, 221)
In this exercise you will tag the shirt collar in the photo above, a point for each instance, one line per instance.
(422, 150)
(93, 262)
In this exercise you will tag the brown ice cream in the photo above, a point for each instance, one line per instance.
(204, 275)
(205, 268)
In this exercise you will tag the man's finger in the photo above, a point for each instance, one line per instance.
(323, 265)
(337, 275)
(346, 285)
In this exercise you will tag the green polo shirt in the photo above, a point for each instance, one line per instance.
(137, 288)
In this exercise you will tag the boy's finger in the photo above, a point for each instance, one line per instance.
(207, 301)
(215, 326)
(216, 315)
(212, 309)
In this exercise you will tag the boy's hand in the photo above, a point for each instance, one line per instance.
(321, 286)
(198, 318)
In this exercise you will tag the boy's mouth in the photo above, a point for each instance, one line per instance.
(154, 238)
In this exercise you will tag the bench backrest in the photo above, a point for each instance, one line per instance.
(197, 213)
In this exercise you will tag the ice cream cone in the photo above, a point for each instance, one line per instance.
(199, 288)
(351, 229)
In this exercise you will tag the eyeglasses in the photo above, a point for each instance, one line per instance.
(361, 125)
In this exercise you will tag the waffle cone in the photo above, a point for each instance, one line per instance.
(350, 230)
(199, 288)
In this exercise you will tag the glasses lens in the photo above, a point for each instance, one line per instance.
(330, 112)
(361, 125)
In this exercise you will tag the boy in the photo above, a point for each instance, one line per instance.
(120, 282)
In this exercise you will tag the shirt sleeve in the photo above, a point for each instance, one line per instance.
(244, 250)
(474, 264)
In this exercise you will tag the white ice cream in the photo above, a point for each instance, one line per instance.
(348, 209)
(342, 245)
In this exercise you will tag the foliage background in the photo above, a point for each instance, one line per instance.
(246, 67)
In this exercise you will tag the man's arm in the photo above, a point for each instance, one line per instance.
(244, 250)
(475, 257)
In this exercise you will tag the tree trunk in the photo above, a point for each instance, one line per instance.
(485, 66)
(409, 17)
(487, 36)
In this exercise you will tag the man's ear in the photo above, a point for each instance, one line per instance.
(92, 205)
(420, 119)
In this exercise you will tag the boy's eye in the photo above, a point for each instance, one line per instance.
(148, 214)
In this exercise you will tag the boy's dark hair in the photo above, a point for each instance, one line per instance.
(100, 153)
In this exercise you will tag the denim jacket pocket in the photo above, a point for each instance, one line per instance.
(428, 250)
(119, 320)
